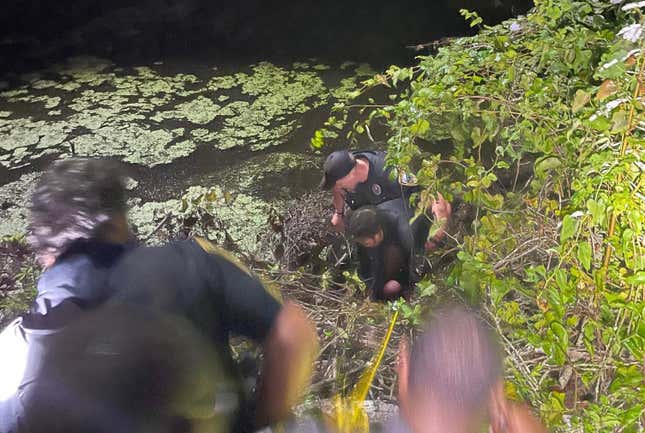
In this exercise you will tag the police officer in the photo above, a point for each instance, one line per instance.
(80, 234)
(359, 178)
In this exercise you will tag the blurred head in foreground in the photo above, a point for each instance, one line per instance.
(121, 369)
(77, 199)
(446, 380)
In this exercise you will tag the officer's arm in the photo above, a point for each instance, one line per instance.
(338, 200)
(289, 352)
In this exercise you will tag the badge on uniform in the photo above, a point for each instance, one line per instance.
(376, 189)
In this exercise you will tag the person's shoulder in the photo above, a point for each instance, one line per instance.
(166, 248)
(165, 258)
(219, 253)
(191, 252)
(395, 209)
(380, 154)
(65, 273)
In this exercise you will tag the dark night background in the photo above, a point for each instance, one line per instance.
(36, 32)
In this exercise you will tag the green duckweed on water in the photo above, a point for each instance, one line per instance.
(211, 212)
(14, 198)
(255, 173)
(135, 144)
(87, 106)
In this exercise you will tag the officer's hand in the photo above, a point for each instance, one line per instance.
(441, 208)
(337, 222)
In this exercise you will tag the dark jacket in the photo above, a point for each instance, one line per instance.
(392, 258)
(157, 299)
(379, 187)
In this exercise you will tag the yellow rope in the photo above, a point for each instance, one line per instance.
(363, 386)
(349, 414)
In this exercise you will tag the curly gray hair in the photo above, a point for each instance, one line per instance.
(71, 202)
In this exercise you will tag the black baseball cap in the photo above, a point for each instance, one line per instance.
(337, 166)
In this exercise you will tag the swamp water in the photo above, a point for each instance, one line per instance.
(235, 140)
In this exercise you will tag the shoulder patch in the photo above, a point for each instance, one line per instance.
(376, 189)
(216, 250)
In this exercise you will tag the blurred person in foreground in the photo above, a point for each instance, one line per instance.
(80, 234)
(451, 381)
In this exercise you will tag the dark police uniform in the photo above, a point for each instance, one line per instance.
(400, 241)
(181, 280)
(379, 186)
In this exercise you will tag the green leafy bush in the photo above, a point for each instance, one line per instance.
(556, 258)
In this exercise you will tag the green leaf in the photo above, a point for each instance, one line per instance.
(580, 99)
(318, 140)
(562, 281)
(477, 136)
(597, 210)
(638, 279)
(420, 127)
(636, 346)
(584, 255)
(569, 225)
(211, 195)
(637, 220)
(543, 165)
(488, 180)
(619, 121)
(561, 344)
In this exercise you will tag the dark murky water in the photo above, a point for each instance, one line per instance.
(244, 129)
(212, 113)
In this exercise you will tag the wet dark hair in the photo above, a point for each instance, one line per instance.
(365, 222)
(72, 200)
(457, 359)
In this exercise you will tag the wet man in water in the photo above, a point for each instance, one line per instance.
(451, 381)
(80, 234)
(388, 243)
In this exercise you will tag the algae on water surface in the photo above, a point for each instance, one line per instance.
(90, 107)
